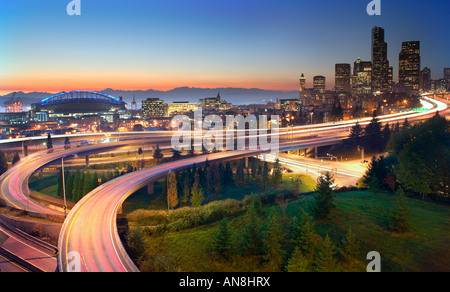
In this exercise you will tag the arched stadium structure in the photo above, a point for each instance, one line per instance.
(80, 103)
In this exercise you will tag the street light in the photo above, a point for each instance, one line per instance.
(360, 148)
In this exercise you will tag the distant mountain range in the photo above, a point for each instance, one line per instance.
(237, 96)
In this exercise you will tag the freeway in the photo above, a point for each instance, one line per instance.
(90, 230)
(93, 219)
(89, 240)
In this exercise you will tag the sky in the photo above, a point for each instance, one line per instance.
(163, 44)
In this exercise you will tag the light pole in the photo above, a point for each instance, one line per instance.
(168, 203)
(360, 148)
(64, 188)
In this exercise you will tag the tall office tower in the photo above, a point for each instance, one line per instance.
(342, 77)
(362, 77)
(425, 80)
(381, 72)
(447, 74)
(409, 65)
(302, 83)
(319, 84)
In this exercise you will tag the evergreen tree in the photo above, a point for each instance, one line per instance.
(356, 134)
(3, 163)
(265, 174)
(158, 154)
(49, 142)
(324, 197)
(386, 134)
(87, 183)
(221, 243)
(277, 174)
(298, 263)
(69, 185)
(197, 192)
(399, 220)
(176, 154)
(306, 238)
(228, 174)
(325, 261)
(350, 248)
(406, 124)
(253, 245)
(16, 158)
(216, 178)
(240, 177)
(173, 190)
(186, 189)
(373, 135)
(350, 254)
(273, 242)
(76, 186)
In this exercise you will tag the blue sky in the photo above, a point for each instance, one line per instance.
(169, 43)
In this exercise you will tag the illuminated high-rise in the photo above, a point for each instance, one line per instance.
(342, 78)
(409, 65)
(319, 84)
(381, 72)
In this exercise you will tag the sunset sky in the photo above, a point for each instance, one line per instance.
(164, 44)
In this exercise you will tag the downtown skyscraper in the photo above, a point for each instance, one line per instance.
(382, 77)
(409, 65)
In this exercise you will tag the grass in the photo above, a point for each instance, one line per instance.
(48, 185)
(367, 214)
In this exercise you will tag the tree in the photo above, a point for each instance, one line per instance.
(221, 243)
(277, 174)
(16, 158)
(324, 197)
(67, 143)
(253, 245)
(173, 190)
(265, 174)
(406, 124)
(350, 253)
(298, 262)
(176, 154)
(197, 192)
(325, 261)
(186, 189)
(228, 178)
(3, 163)
(373, 135)
(158, 154)
(240, 177)
(49, 141)
(273, 242)
(216, 179)
(306, 238)
(399, 220)
(76, 186)
(356, 134)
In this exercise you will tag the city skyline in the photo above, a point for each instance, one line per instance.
(208, 45)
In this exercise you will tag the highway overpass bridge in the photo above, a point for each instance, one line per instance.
(80, 228)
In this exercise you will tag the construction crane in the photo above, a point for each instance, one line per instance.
(13, 104)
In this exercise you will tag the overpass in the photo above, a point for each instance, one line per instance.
(14, 184)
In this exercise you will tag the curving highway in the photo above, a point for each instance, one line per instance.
(90, 229)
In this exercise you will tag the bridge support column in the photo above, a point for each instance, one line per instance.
(25, 150)
(150, 189)
(306, 152)
(316, 152)
(87, 160)
(246, 162)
